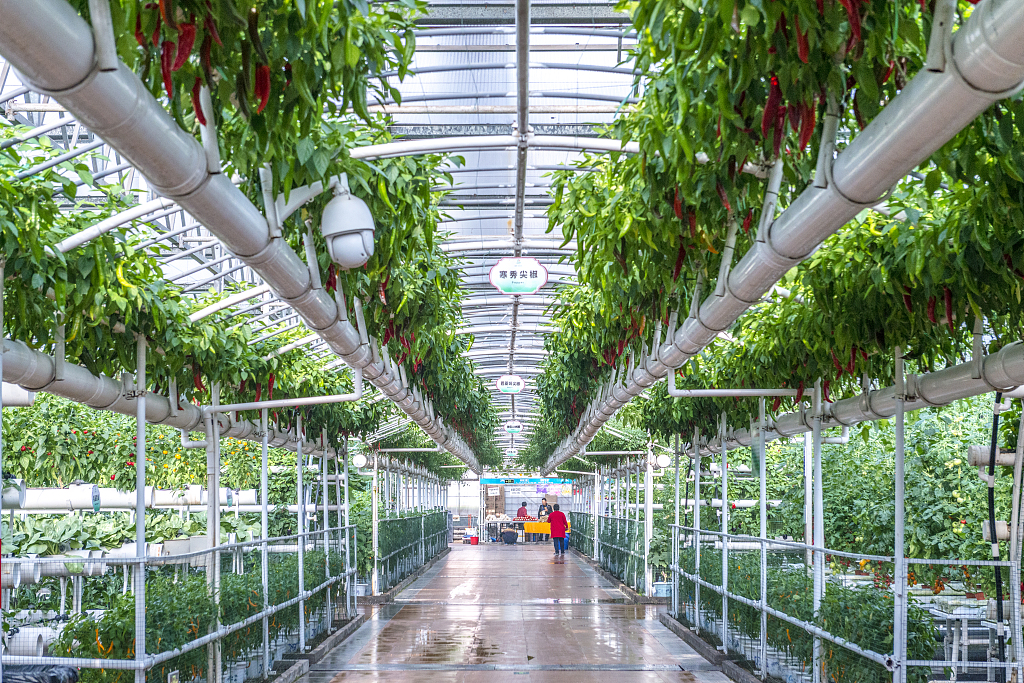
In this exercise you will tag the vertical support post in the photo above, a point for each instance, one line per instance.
(218, 651)
(648, 520)
(725, 539)
(808, 499)
(6, 65)
(597, 494)
(302, 530)
(375, 517)
(899, 587)
(264, 550)
(763, 509)
(675, 536)
(212, 500)
(1015, 552)
(140, 505)
(696, 529)
(343, 520)
(819, 526)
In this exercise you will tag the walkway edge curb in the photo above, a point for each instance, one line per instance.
(708, 651)
(330, 642)
(389, 596)
(631, 595)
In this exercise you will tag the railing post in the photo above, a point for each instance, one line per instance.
(763, 510)
(819, 527)
(696, 529)
(375, 523)
(264, 551)
(140, 505)
(675, 535)
(598, 479)
(648, 520)
(725, 538)
(899, 587)
(300, 466)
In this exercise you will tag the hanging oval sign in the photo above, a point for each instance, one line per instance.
(513, 426)
(515, 276)
(511, 453)
(510, 384)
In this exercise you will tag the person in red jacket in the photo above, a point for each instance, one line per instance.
(523, 512)
(558, 524)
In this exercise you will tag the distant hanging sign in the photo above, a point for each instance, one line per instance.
(515, 276)
(513, 426)
(510, 384)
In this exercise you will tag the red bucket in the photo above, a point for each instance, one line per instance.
(474, 540)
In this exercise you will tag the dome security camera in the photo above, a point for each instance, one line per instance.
(348, 228)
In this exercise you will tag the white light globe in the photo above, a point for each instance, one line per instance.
(664, 460)
(359, 460)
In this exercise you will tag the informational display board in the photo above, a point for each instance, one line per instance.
(510, 384)
(516, 276)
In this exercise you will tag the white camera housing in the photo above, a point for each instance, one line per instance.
(348, 229)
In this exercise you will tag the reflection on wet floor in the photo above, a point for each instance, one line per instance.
(512, 613)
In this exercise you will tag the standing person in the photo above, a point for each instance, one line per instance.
(521, 513)
(558, 524)
(542, 515)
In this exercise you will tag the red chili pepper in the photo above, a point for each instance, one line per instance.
(771, 107)
(795, 113)
(780, 129)
(863, 354)
(332, 279)
(931, 310)
(197, 380)
(800, 392)
(259, 391)
(835, 362)
(197, 102)
(140, 37)
(380, 293)
(412, 335)
(167, 14)
(156, 33)
(262, 86)
(853, 359)
(803, 47)
(821, 7)
(888, 72)
(807, 123)
(186, 39)
(722, 195)
(947, 295)
(924, 6)
(166, 62)
(824, 391)
(211, 29)
(404, 342)
(853, 16)
(776, 404)
(679, 261)
(692, 216)
(907, 302)
(677, 205)
(747, 221)
(270, 387)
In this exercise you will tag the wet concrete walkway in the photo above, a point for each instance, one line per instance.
(513, 613)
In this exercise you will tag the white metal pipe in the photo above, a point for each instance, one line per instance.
(228, 302)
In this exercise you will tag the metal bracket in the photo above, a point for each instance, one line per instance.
(103, 35)
(942, 34)
(977, 349)
(208, 133)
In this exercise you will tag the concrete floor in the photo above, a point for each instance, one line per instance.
(513, 613)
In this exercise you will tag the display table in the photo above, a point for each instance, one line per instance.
(537, 527)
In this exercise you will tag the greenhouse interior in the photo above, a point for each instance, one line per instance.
(569, 396)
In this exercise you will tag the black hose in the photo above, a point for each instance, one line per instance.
(1001, 676)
